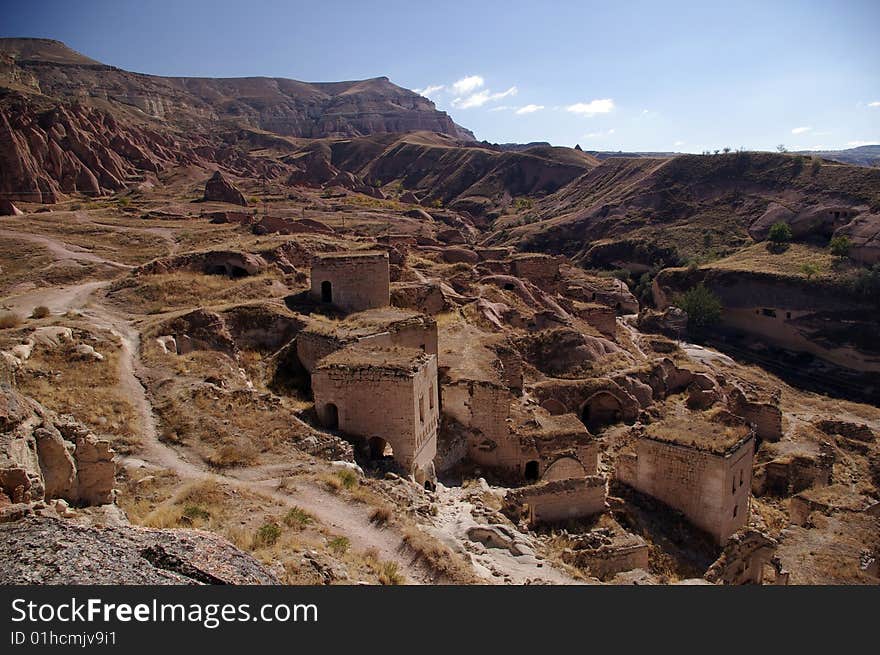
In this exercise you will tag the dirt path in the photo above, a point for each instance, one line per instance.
(61, 250)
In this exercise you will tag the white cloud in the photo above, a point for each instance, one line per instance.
(481, 98)
(678, 143)
(874, 104)
(468, 84)
(529, 109)
(429, 90)
(599, 135)
(592, 108)
(501, 108)
(801, 130)
(856, 144)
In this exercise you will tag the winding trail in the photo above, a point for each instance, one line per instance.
(338, 514)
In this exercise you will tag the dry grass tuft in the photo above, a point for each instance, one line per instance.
(389, 574)
(297, 518)
(438, 557)
(381, 515)
(9, 320)
(41, 312)
(339, 545)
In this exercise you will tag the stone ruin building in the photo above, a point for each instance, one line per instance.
(378, 374)
(702, 468)
(387, 396)
(352, 281)
(373, 374)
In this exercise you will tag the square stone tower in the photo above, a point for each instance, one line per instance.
(352, 281)
(387, 396)
(702, 468)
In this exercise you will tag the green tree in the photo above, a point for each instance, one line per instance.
(780, 233)
(810, 270)
(839, 246)
(702, 306)
(866, 284)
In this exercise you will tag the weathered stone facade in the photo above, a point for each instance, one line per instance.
(348, 384)
(384, 327)
(709, 482)
(352, 281)
(557, 500)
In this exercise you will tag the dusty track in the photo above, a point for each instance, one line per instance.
(351, 520)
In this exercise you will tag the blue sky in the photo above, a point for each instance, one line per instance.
(626, 75)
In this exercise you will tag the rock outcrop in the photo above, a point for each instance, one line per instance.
(44, 456)
(7, 208)
(48, 550)
(219, 189)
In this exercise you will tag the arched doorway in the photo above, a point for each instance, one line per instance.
(532, 470)
(379, 448)
(331, 416)
(564, 468)
(326, 291)
(599, 410)
(554, 406)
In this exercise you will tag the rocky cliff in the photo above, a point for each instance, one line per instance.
(69, 124)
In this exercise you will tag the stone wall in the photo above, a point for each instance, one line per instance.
(601, 317)
(603, 556)
(314, 344)
(402, 408)
(541, 270)
(765, 416)
(558, 500)
(712, 490)
(357, 281)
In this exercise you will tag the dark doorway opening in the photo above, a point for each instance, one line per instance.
(531, 470)
(326, 291)
(600, 410)
(331, 416)
(379, 448)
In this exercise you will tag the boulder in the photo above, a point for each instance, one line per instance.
(219, 189)
(56, 464)
(96, 470)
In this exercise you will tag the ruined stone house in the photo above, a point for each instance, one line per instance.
(701, 467)
(386, 396)
(352, 281)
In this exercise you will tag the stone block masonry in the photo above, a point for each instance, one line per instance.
(349, 384)
(352, 281)
(713, 489)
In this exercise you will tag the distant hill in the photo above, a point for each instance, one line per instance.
(50, 69)
(861, 156)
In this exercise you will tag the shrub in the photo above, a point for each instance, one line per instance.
(40, 312)
(810, 270)
(9, 320)
(702, 306)
(194, 512)
(780, 233)
(839, 246)
(866, 283)
(389, 574)
(348, 478)
(267, 535)
(815, 164)
(381, 515)
(339, 545)
(297, 518)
